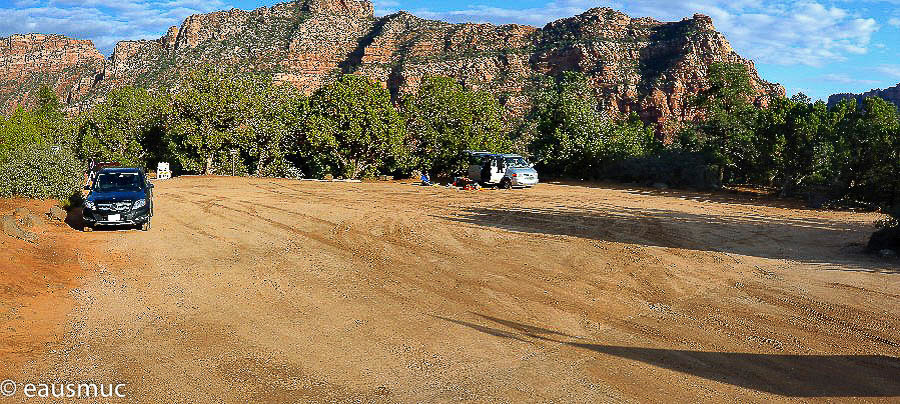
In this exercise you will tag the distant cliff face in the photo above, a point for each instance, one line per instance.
(27, 61)
(635, 65)
(889, 94)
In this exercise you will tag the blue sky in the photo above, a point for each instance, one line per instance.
(818, 47)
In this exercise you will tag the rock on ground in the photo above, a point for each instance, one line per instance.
(10, 227)
(57, 213)
(30, 220)
(20, 213)
(885, 239)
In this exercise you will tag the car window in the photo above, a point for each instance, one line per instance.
(118, 182)
(516, 162)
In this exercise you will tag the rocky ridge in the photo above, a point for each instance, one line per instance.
(69, 66)
(635, 64)
(891, 94)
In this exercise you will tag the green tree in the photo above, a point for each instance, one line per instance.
(727, 131)
(573, 138)
(125, 127)
(444, 118)
(268, 135)
(351, 129)
(806, 150)
(22, 127)
(207, 112)
(49, 119)
(36, 159)
(871, 170)
(48, 104)
(568, 126)
(770, 141)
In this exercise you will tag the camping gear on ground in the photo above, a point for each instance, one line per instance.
(163, 172)
(466, 183)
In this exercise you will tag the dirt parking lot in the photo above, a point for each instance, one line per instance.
(257, 290)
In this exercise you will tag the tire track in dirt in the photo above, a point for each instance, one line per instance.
(395, 293)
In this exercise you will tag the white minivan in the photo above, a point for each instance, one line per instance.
(503, 170)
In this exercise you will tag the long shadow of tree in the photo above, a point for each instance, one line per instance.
(786, 375)
(800, 239)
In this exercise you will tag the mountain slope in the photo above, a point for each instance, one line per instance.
(27, 61)
(891, 94)
(636, 65)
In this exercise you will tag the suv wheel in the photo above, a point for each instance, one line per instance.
(505, 184)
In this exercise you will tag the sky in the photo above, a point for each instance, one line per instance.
(818, 47)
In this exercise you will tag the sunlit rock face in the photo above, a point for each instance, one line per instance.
(27, 61)
(635, 65)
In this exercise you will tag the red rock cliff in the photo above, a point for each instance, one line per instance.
(635, 64)
(28, 61)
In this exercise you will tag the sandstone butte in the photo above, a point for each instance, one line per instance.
(635, 64)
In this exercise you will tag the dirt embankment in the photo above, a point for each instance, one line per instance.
(287, 291)
(37, 278)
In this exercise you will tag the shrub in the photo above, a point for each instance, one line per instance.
(885, 239)
(36, 157)
(676, 168)
(39, 171)
(573, 137)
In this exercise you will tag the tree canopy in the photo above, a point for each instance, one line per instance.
(444, 119)
(215, 121)
(352, 129)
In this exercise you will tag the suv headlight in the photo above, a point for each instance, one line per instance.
(89, 205)
(140, 203)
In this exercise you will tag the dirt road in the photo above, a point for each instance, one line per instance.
(253, 290)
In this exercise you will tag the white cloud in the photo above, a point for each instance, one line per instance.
(842, 78)
(894, 21)
(501, 15)
(104, 22)
(769, 31)
(808, 32)
(386, 4)
(890, 71)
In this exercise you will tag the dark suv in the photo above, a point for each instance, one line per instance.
(119, 197)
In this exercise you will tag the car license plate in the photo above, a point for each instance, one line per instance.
(114, 218)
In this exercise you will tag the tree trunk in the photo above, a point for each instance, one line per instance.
(260, 163)
(788, 186)
(209, 162)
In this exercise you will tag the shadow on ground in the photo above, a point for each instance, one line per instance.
(733, 196)
(786, 375)
(801, 239)
(75, 219)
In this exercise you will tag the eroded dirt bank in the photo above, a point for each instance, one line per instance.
(38, 279)
(282, 291)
